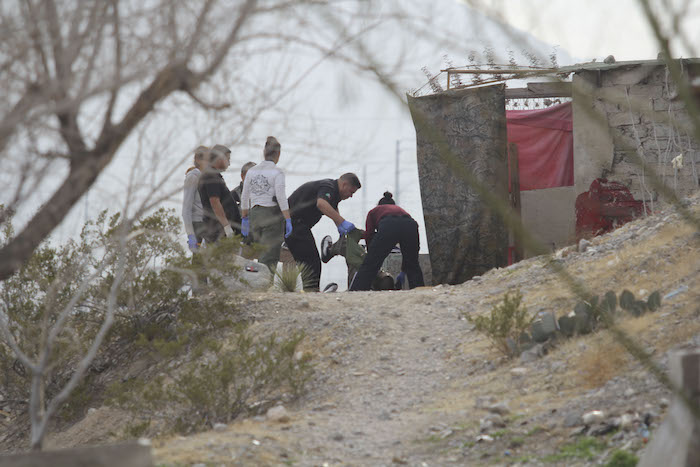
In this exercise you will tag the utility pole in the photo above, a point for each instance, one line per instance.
(364, 192)
(396, 176)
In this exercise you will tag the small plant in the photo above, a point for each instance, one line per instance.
(137, 429)
(622, 458)
(585, 448)
(505, 324)
(288, 280)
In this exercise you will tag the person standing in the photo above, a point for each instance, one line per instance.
(238, 191)
(218, 205)
(308, 204)
(192, 211)
(265, 201)
(387, 225)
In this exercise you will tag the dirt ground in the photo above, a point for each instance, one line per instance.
(402, 378)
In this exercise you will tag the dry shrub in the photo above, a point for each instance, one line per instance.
(600, 363)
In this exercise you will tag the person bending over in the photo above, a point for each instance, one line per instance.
(308, 204)
(387, 225)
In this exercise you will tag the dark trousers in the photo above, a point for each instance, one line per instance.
(212, 230)
(199, 229)
(391, 230)
(302, 246)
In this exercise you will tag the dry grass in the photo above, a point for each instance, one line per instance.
(601, 362)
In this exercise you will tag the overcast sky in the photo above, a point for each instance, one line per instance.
(598, 28)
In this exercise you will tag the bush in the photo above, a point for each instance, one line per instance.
(505, 324)
(222, 384)
(622, 458)
(152, 310)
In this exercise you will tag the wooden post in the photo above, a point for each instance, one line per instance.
(515, 244)
(677, 441)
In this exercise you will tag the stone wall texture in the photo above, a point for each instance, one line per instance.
(457, 130)
(647, 119)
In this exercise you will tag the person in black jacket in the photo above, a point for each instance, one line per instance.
(308, 204)
(220, 211)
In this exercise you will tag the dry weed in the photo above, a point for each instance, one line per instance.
(601, 362)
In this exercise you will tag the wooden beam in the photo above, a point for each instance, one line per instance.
(537, 90)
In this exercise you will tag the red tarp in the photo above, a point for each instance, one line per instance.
(545, 146)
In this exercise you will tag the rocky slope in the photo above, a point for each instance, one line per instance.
(403, 378)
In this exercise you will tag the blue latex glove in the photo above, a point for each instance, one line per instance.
(399, 280)
(245, 226)
(345, 227)
(192, 242)
(287, 228)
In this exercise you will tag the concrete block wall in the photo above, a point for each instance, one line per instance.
(645, 119)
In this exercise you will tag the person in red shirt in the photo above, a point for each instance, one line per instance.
(387, 225)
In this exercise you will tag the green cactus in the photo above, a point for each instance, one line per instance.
(654, 301)
(567, 325)
(609, 303)
(627, 300)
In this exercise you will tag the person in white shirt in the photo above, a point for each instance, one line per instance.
(265, 201)
(192, 212)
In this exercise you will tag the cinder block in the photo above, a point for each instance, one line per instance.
(661, 104)
(623, 118)
(647, 90)
(632, 75)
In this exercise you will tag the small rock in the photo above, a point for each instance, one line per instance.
(476, 278)
(583, 245)
(398, 460)
(338, 437)
(629, 392)
(602, 429)
(482, 402)
(572, 419)
(491, 421)
(519, 371)
(277, 414)
(532, 354)
(593, 416)
(90, 411)
(663, 402)
(485, 438)
(500, 408)
(626, 420)
(326, 406)
(220, 427)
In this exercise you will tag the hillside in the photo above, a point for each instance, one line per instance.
(404, 378)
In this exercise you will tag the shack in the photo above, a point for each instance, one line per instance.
(615, 138)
